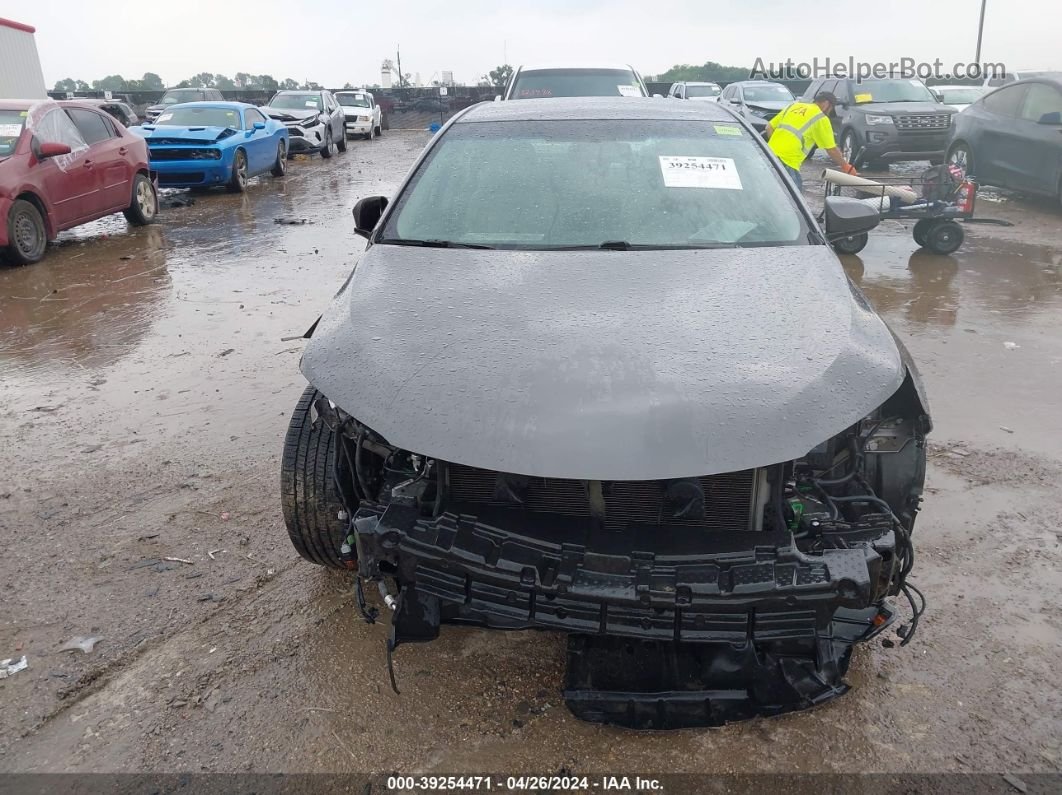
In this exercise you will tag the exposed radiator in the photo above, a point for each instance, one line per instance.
(728, 498)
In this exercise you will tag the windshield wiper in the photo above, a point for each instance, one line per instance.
(623, 245)
(405, 241)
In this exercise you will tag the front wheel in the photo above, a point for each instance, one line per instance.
(944, 237)
(378, 131)
(920, 230)
(341, 144)
(309, 497)
(145, 203)
(280, 165)
(326, 150)
(850, 148)
(852, 244)
(238, 179)
(26, 234)
(959, 155)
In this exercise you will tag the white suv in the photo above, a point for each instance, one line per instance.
(313, 118)
(544, 82)
(361, 114)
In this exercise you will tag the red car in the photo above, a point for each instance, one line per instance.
(63, 164)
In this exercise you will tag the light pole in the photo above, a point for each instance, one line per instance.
(980, 30)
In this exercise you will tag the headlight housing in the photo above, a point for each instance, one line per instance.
(310, 121)
(873, 118)
(363, 118)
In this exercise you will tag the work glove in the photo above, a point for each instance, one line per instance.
(850, 169)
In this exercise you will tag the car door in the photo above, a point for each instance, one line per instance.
(106, 151)
(67, 180)
(1037, 140)
(995, 147)
(261, 149)
(335, 118)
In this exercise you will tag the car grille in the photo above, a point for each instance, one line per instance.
(924, 121)
(180, 178)
(727, 498)
(156, 153)
(296, 132)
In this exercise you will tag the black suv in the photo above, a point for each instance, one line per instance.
(882, 121)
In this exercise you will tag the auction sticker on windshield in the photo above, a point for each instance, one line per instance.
(10, 130)
(700, 172)
(726, 129)
(629, 91)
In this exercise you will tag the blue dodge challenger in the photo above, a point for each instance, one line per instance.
(202, 144)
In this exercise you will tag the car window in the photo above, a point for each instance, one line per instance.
(541, 83)
(1040, 100)
(92, 126)
(767, 92)
(353, 100)
(175, 95)
(813, 89)
(872, 91)
(197, 116)
(251, 116)
(561, 184)
(296, 101)
(995, 82)
(959, 96)
(702, 91)
(1005, 101)
(56, 127)
(11, 123)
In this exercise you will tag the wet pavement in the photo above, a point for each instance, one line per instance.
(145, 387)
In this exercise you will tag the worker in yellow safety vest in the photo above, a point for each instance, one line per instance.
(799, 128)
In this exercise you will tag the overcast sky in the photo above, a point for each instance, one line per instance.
(335, 42)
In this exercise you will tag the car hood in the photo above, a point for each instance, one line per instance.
(769, 105)
(703, 99)
(903, 107)
(156, 134)
(604, 365)
(290, 114)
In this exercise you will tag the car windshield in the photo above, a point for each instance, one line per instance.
(296, 101)
(960, 96)
(200, 117)
(580, 184)
(181, 95)
(353, 100)
(770, 92)
(703, 91)
(891, 91)
(11, 122)
(542, 83)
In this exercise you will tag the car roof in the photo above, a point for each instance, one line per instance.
(574, 66)
(23, 104)
(302, 91)
(757, 83)
(698, 82)
(584, 108)
(214, 103)
(977, 87)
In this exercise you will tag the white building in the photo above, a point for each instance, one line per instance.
(20, 66)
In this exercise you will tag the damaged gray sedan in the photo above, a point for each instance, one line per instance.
(599, 372)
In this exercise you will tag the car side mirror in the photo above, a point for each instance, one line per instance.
(51, 149)
(1051, 118)
(259, 125)
(845, 216)
(367, 213)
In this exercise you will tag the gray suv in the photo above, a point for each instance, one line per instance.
(883, 121)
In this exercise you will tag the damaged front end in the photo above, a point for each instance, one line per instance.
(688, 601)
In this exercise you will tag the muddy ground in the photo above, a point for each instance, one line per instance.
(145, 389)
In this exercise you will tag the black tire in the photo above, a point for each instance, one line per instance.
(238, 179)
(326, 148)
(379, 131)
(960, 154)
(371, 134)
(852, 244)
(280, 165)
(920, 230)
(144, 206)
(308, 495)
(26, 233)
(944, 237)
(850, 148)
(341, 144)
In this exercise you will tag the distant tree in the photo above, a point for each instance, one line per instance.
(347, 86)
(69, 84)
(710, 71)
(224, 83)
(185, 84)
(405, 80)
(202, 80)
(152, 82)
(288, 84)
(500, 76)
(82, 85)
(310, 85)
(268, 82)
(244, 80)
(110, 83)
